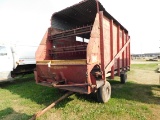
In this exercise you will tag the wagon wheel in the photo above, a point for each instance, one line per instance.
(123, 77)
(104, 92)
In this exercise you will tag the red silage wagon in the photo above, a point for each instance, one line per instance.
(83, 46)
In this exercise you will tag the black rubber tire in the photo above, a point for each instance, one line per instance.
(123, 77)
(104, 93)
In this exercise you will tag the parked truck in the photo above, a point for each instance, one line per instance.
(83, 65)
(15, 60)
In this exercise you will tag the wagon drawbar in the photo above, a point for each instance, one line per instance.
(82, 47)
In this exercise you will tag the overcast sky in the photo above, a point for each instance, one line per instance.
(24, 21)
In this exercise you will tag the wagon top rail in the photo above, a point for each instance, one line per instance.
(63, 62)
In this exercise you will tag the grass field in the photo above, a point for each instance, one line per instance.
(135, 100)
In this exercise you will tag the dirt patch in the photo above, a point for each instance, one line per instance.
(144, 76)
(144, 62)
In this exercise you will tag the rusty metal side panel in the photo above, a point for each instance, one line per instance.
(106, 27)
(125, 40)
(93, 48)
(118, 38)
(115, 44)
(118, 48)
(42, 52)
(125, 52)
(64, 74)
(68, 73)
(58, 70)
(93, 51)
(120, 45)
(129, 52)
(108, 67)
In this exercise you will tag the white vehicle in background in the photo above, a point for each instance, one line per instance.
(15, 60)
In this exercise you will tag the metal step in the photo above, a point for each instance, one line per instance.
(81, 90)
(45, 84)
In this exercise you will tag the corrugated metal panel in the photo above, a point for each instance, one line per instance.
(78, 15)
